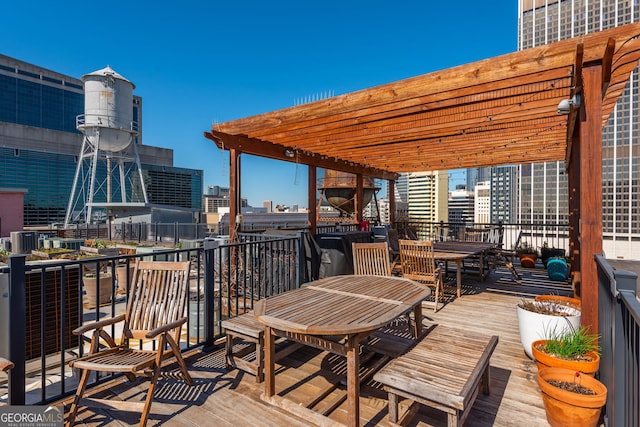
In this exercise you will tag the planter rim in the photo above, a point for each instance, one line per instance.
(588, 367)
(568, 311)
(581, 400)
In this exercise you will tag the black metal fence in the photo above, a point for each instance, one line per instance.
(619, 327)
(514, 234)
(44, 301)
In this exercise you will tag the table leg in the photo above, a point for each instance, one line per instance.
(417, 316)
(269, 362)
(459, 276)
(353, 381)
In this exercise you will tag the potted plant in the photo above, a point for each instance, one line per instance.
(559, 299)
(574, 349)
(570, 398)
(547, 252)
(557, 268)
(528, 255)
(537, 318)
(92, 285)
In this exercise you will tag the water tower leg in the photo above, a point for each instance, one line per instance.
(144, 187)
(71, 204)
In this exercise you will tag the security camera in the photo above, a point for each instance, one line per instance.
(564, 107)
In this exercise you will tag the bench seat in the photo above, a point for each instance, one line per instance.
(247, 328)
(445, 370)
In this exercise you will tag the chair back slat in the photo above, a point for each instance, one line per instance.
(417, 260)
(158, 296)
(371, 259)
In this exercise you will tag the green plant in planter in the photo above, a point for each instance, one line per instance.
(572, 344)
(575, 349)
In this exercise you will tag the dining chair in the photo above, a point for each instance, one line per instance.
(418, 263)
(371, 259)
(155, 314)
(5, 366)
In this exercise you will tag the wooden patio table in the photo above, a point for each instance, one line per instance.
(335, 314)
(458, 250)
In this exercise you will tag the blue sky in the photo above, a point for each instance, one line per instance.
(196, 63)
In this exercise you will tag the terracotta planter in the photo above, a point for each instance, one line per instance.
(568, 409)
(90, 289)
(121, 278)
(544, 360)
(528, 260)
(569, 301)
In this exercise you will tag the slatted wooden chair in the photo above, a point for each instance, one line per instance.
(5, 366)
(371, 259)
(418, 263)
(155, 311)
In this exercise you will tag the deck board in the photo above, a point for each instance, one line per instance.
(223, 398)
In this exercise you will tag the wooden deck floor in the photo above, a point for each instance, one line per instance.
(231, 398)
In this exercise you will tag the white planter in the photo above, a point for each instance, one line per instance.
(537, 326)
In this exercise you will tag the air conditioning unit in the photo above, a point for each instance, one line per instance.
(23, 242)
(5, 243)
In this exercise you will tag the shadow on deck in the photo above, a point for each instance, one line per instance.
(313, 378)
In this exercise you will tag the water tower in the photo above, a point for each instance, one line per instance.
(339, 188)
(108, 157)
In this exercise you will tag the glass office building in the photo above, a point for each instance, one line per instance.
(39, 145)
(543, 187)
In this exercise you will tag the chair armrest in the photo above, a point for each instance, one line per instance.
(5, 364)
(99, 325)
(165, 328)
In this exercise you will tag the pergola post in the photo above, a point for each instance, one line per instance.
(312, 218)
(391, 195)
(590, 182)
(359, 197)
(235, 204)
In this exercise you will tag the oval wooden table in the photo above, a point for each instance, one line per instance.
(335, 314)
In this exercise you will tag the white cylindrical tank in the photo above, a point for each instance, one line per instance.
(108, 109)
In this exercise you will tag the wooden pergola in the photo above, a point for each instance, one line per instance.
(499, 111)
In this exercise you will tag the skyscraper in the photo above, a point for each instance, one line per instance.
(428, 194)
(543, 187)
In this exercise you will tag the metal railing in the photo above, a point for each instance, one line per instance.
(533, 234)
(45, 302)
(619, 327)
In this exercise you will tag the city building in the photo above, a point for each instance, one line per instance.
(476, 175)
(380, 211)
(504, 194)
(482, 202)
(461, 206)
(39, 145)
(543, 188)
(428, 194)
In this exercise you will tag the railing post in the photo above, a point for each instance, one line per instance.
(210, 246)
(625, 282)
(301, 268)
(17, 328)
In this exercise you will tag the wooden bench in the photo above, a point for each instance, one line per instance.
(247, 328)
(445, 370)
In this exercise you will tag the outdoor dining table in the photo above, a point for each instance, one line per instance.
(335, 314)
(457, 251)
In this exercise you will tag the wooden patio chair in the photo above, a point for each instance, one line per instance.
(371, 258)
(418, 263)
(154, 315)
(5, 366)
(394, 248)
(498, 256)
